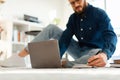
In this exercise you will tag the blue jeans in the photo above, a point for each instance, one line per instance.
(80, 54)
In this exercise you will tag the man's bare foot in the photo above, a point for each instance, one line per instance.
(23, 53)
(64, 62)
(1, 29)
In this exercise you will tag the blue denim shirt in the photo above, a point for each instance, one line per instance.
(92, 28)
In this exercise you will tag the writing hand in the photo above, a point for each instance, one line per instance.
(99, 60)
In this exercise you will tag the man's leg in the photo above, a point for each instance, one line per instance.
(51, 31)
(75, 50)
(80, 54)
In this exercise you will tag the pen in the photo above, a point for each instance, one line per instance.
(98, 52)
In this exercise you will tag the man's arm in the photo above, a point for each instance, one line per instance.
(65, 41)
(108, 38)
(66, 36)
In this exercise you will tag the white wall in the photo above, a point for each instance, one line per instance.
(112, 8)
(39, 8)
(67, 12)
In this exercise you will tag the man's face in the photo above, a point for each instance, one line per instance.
(78, 5)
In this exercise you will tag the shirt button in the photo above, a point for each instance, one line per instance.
(81, 20)
(81, 29)
(90, 28)
(82, 38)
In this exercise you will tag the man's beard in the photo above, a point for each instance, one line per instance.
(81, 12)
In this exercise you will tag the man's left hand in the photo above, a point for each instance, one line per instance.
(99, 60)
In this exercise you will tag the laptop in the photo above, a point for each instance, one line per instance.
(44, 54)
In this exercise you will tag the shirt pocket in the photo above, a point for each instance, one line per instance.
(89, 33)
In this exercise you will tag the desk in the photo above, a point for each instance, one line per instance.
(60, 74)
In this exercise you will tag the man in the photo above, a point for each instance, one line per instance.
(91, 26)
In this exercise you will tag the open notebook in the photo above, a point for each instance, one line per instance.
(82, 66)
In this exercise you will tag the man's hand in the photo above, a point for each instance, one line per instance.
(98, 60)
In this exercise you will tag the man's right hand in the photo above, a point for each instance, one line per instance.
(99, 60)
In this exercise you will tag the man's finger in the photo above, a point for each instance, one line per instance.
(93, 58)
(95, 61)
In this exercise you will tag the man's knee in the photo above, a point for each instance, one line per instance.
(52, 26)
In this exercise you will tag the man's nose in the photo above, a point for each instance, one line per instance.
(76, 4)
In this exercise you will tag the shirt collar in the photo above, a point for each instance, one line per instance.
(86, 11)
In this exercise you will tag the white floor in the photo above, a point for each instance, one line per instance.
(60, 74)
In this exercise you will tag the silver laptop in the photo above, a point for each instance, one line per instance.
(44, 54)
